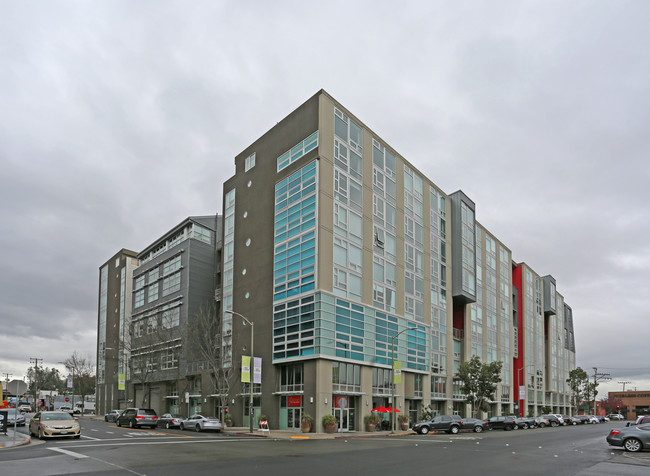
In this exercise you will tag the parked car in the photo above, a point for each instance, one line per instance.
(542, 422)
(560, 419)
(171, 420)
(642, 420)
(616, 416)
(632, 438)
(201, 423)
(474, 424)
(602, 418)
(581, 419)
(593, 419)
(69, 409)
(553, 420)
(14, 417)
(54, 424)
(568, 420)
(449, 423)
(136, 417)
(525, 423)
(502, 422)
(112, 415)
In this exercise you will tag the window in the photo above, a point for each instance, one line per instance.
(171, 265)
(152, 292)
(201, 234)
(250, 162)
(139, 298)
(297, 151)
(171, 284)
(170, 317)
(169, 359)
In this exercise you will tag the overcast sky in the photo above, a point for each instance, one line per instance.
(118, 119)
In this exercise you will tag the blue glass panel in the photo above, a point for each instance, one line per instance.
(357, 332)
(342, 328)
(309, 351)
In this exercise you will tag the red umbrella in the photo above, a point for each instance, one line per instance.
(391, 410)
(381, 410)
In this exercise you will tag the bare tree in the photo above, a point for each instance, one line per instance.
(203, 340)
(83, 375)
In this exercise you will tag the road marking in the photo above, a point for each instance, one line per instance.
(69, 453)
(165, 442)
(90, 437)
(92, 429)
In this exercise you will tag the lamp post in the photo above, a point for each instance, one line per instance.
(392, 375)
(521, 370)
(251, 369)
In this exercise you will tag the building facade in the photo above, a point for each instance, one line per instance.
(347, 259)
(113, 329)
(147, 303)
(634, 403)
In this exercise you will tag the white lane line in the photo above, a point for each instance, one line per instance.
(90, 437)
(92, 429)
(161, 442)
(69, 453)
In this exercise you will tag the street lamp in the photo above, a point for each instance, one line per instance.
(251, 369)
(521, 369)
(392, 375)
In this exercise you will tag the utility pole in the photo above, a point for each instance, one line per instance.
(35, 361)
(597, 377)
(623, 383)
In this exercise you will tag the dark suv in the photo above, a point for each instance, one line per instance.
(136, 417)
(502, 422)
(449, 423)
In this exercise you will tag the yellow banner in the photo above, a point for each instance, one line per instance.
(245, 368)
(397, 372)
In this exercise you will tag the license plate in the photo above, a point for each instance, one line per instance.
(64, 432)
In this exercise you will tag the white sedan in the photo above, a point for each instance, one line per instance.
(201, 423)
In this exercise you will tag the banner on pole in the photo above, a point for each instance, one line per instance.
(245, 368)
(121, 381)
(397, 372)
(69, 381)
(257, 370)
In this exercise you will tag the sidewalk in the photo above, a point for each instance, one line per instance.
(297, 435)
(7, 441)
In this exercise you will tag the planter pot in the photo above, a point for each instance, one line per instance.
(370, 427)
(305, 427)
(330, 428)
(404, 426)
(228, 423)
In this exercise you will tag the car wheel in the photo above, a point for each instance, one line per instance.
(119, 424)
(574, 423)
(197, 428)
(525, 426)
(106, 419)
(77, 436)
(633, 445)
(424, 430)
(182, 427)
(131, 425)
(542, 425)
(554, 424)
(40, 434)
(167, 425)
(453, 430)
(478, 429)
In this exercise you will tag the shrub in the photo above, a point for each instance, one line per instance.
(329, 420)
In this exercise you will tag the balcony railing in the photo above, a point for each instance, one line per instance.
(459, 333)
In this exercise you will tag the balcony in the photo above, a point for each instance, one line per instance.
(459, 333)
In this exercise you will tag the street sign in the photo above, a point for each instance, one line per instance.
(67, 399)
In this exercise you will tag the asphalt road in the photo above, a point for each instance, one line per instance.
(107, 450)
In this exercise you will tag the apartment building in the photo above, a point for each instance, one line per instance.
(347, 259)
(158, 295)
(113, 329)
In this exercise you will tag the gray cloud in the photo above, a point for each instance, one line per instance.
(118, 119)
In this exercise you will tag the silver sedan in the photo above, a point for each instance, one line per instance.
(632, 438)
(201, 423)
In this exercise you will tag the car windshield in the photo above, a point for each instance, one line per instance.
(147, 412)
(10, 411)
(56, 416)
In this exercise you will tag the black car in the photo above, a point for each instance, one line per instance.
(137, 417)
(580, 419)
(449, 423)
(568, 420)
(474, 424)
(502, 422)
